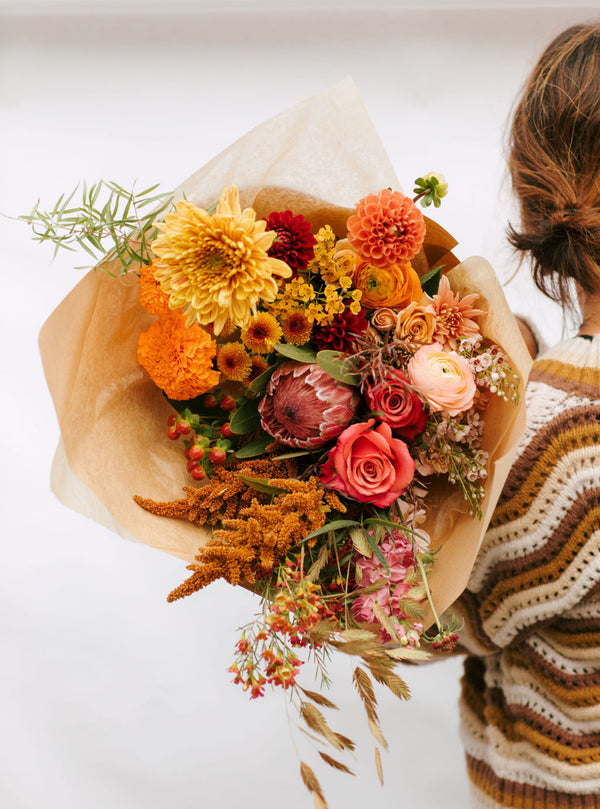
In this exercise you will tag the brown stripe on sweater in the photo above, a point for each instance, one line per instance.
(563, 422)
(579, 380)
(545, 451)
(524, 796)
(574, 689)
(540, 569)
(523, 715)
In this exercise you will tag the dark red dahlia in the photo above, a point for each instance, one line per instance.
(294, 242)
(340, 335)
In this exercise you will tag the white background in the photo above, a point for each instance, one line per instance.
(109, 696)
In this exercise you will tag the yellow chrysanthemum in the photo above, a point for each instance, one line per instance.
(234, 362)
(216, 267)
(262, 333)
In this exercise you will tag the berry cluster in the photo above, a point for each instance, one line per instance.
(206, 437)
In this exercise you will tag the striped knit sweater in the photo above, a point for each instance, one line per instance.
(530, 705)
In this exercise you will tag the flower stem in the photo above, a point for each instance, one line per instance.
(428, 592)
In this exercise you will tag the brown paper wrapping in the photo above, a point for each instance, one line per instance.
(318, 159)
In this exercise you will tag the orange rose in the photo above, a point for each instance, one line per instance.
(395, 286)
(417, 323)
(444, 378)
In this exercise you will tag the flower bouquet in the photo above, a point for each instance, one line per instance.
(336, 396)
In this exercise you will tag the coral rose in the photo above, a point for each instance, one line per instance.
(395, 286)
(369, 465)
(396, 404)
(444, 377)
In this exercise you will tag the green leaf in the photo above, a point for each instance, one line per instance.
(338, 366)
(286, 455)
(336, 525)
(431, 281)
(246, 419)
(255, 447)
(375, 548)
(260, 485)
(299, 353)
(259, 385)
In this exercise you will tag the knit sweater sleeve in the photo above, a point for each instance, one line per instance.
(540, 559)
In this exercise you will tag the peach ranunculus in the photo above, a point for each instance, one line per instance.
(416, 323)
(369, 465)
(384, 318)
(444, 378)
(395, 286)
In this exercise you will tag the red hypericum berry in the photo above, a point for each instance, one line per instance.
(227, 403)
(172, 419)
(217, 455)
(226, 430)
(196, 453)
(184, 427)
(210, 400)
(173, 432)
(198, 473)
(190, 465)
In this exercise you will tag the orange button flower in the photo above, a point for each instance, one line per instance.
(394, 286)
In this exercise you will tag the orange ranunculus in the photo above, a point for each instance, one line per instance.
(395, 286)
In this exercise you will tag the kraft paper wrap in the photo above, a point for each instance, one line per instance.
(318, 158)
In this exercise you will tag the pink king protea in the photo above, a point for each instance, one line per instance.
(304, 407)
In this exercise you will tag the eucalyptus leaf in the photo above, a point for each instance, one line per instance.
(338, 366)
(259, 385)
(255, 447)
(299, 353)
(246, 419)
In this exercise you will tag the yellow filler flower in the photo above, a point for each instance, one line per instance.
(215, 266)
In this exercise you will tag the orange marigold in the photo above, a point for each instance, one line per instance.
(262, 333)
(387, 228)
(393, 287)
(178, 358)
(234, 362)
(152, 298)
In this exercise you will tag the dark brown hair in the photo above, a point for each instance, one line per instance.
(554, 163)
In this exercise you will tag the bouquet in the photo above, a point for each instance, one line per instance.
(331, 390)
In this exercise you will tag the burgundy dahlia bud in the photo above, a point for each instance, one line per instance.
(304, 407)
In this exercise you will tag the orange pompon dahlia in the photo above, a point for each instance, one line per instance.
(178, 357)
(394, 287)
(234, 362)
(262, 333)
(386, 229)
(216, 267)
(454, 315)
(152, 298)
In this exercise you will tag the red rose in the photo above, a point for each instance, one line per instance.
(369, 465)
(396, 404)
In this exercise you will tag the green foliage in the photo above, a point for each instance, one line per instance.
(108, 223)
(430, 189)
